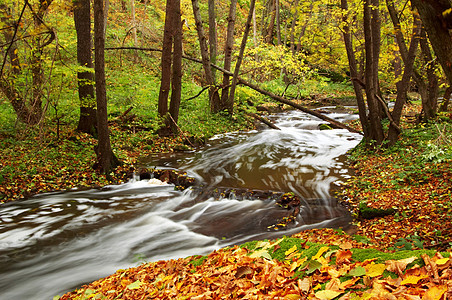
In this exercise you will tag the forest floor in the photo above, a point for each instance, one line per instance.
(401, 199)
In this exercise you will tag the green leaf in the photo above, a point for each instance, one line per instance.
(134, 285)
(357, 272)
(312, 266)
(261, 253)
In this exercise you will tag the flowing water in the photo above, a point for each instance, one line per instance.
(54, 242)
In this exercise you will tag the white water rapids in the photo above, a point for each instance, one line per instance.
(54, 242)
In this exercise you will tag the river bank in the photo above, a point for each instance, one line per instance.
(401, 200)
(371, 184)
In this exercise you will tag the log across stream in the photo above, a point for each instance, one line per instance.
(54, 242)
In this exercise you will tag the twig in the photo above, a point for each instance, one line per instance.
(385, 108)
(14, 36)
(171, 117)
(198, 94)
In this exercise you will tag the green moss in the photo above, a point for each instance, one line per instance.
(198, 260)
(366, 212)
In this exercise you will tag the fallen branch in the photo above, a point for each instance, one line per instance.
(297, 106)
(388, 114)
(265, 121)
(256, 88)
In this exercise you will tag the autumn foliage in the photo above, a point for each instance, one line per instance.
(331, 272)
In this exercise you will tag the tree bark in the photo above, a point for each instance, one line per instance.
(214, 98)
(372, 41)
(106, 159)
(278, 23)
(176, 80)
(428, 92)
(436, 18)
(165, 83)
(354, 75)
(430, 100)
(213, 39)
(230, 103)
(228, 53)
(82, 19)
(402, 87)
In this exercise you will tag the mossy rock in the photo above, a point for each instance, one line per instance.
(366, 212)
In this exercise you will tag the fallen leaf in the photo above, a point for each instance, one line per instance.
(291, 250)
(305, 284)
(313, 265)
(435, 293)
(346, 246)
(292, 297)
(242, 271)
(442, 261)
(357, 272)
(134, 285)
(320, 252)
(343, 256)
(398, 266)
(374, 270)
(327, 294)
(261, 253)
(412, 279)
(333, 285)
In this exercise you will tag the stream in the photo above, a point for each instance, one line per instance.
(54, 242)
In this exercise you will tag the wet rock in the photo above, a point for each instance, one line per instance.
(179, 179)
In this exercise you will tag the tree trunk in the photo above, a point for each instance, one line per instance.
(167, 49)
(402, 87)
(82, 19)
(271, 24)
(176, 80)
(106, 159)
(372, 41)
(292, 28)
(428, 92)
(213, 39)
(278, 23)
(435, 16)
(228, 53)
(430, 101)
(230, 103)
(354, 75)
(214, 98)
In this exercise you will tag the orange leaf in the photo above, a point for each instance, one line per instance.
(435, 293)
(343, 256)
